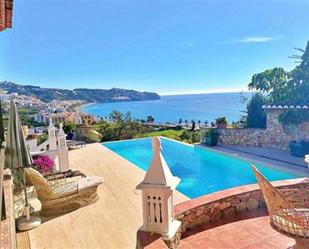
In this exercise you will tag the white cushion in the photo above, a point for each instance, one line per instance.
(89, 181)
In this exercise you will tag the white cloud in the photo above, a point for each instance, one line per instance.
(256, 39)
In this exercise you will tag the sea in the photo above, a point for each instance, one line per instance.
(203, 107)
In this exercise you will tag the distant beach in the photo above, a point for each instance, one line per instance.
(203, 107)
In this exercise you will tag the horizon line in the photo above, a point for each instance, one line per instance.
(205, 92)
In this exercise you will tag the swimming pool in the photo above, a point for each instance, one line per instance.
(201, 170)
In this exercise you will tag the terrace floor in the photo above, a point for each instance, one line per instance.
(110, 223)
(246, 231)
(113, 221)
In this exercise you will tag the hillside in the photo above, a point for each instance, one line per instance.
(88, 95)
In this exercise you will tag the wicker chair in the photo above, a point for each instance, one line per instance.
(288, 210)
(62, 196)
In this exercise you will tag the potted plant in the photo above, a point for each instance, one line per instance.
(211, 137)
(221, 123)
(299, 148)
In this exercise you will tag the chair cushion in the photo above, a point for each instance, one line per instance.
(290, 227)
(65, 189)
(89, 181)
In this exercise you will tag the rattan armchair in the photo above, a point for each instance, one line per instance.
(288, 210)
(62, 196)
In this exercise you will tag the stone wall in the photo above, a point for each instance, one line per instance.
(211, 208)
(7, 226)
(274, 136)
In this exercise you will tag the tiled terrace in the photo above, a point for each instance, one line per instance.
(222, 226)
(234, 227)
(246, 231)
(110, 223)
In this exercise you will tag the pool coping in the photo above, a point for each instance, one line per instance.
(139, 138)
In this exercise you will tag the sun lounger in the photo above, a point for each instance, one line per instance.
(59, 197)
(64, 174)
(74, 144)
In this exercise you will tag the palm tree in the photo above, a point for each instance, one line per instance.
(186, 122)
(199, 123)
(150, 119)
(193, 125)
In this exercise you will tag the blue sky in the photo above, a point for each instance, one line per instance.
(162, 46)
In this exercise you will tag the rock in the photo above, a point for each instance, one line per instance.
(199, 211)
(252, 204)
(230, 211)
(224, 205)
(241, 207)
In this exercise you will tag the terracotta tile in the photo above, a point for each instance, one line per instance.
(248, 233)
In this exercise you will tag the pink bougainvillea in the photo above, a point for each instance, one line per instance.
(43, 163)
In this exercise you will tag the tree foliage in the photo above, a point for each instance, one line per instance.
(285, 87)
(68, 127)
(256, 116)
(120, 126)
(26, 117)
(190, 136)
(150, 119)
(221, 120)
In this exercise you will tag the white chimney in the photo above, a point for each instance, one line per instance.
(157, 195)
(52, 140)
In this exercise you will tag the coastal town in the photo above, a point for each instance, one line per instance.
(60, 111)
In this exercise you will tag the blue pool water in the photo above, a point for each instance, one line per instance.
(201, 170)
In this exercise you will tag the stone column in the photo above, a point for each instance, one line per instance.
(157, 196)
(63, 151)
(52, 140)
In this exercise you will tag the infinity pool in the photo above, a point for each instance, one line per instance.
(201, 170)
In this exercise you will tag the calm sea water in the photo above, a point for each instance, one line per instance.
(171, 108)
(201, 170)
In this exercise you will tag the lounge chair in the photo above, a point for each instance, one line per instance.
(72, 144)
(64, 174)
(288, 210)
(59, 197)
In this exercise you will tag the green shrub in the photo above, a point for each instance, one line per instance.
(221, 120)
(68, 126)
(256, 115)
(211, 137)
(42, 138)
(293, 117)
(93, 136)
